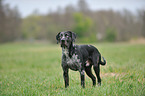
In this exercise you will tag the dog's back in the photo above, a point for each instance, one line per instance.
(87, 51)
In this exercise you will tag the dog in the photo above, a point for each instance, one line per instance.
(79, 58)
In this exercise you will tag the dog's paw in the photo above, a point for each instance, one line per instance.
(99, 83)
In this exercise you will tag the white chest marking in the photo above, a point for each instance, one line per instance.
(73, 62)
(73, 59)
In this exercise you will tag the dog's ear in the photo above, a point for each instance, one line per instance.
(58, 37)
(73, 35)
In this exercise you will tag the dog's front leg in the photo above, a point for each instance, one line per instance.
(66, 77)
(82, 73)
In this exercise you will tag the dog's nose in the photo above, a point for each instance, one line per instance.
(62, 41)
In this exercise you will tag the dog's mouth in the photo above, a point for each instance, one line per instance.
(64, 43)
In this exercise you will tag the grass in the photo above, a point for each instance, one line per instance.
(35, 69)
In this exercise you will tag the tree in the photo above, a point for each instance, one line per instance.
(143, 28)
(110, 34)
(83, 6)
(2, 22)
(9, 23)
(82, 24)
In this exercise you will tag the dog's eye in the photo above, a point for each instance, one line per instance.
(66, 35)
(61, 35)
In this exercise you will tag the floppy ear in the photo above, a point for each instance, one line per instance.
(58, 37)
(73, 35)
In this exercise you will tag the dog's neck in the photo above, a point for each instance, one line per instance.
(68, 51)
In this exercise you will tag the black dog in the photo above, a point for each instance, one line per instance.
(79, 58)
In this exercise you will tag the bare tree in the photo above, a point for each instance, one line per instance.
(143, 28)
(83, 6)
(2, 22)
(9, 23)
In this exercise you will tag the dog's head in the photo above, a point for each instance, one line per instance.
(65, 38)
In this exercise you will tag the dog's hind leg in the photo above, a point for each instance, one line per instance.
(97, 71)
(89, 73)
(97, 68)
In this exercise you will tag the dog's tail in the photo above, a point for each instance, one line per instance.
(104, 61)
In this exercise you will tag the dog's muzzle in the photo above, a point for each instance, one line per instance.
(63, 43)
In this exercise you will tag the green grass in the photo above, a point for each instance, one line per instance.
(35, 69)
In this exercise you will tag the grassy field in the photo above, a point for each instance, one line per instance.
(35, 70)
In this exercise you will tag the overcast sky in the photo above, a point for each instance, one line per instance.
(26, 7)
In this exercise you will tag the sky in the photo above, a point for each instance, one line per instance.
(26, 7)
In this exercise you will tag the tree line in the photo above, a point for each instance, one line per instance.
(90, 26)
(10, 23)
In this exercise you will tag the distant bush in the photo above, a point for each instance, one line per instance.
(82, 24)
(111, 34)
(88, 39)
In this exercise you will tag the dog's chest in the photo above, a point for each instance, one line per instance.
(72, 62)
